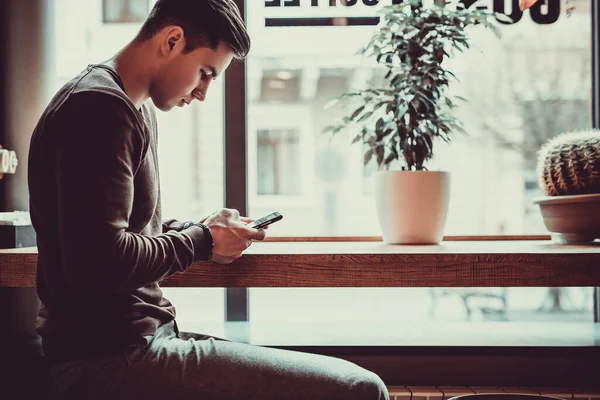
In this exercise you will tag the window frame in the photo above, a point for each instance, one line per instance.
(236, 299)
(596, 106)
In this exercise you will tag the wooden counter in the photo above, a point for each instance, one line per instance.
(497, 263)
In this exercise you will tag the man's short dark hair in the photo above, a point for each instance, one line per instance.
(205, 23)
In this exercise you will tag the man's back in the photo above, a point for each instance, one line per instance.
(95, 206)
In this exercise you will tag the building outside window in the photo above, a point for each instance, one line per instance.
(125, 11)
(278, 162)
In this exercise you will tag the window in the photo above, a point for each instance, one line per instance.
(283, 170)
(190, 139)
(522, 89)
(125, 10)
(397, 305)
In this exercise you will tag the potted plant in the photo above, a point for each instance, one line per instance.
(400, 121)
(569, 175)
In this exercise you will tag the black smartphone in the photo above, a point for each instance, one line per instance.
(266, 220)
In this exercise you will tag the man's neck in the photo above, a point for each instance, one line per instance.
(134, 67)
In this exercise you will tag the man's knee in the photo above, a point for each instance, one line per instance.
(369, 386)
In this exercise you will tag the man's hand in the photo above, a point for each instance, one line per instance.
(231, 235)
(245, 220)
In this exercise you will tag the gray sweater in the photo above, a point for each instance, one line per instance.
(95, 206)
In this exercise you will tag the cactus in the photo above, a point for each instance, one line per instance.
(569, 164)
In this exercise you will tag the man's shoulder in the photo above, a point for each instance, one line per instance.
(96, 89)
(100, 86)
(93, 99)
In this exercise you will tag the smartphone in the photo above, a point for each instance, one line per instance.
(266, 220)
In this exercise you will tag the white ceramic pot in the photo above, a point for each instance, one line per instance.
(412, 205)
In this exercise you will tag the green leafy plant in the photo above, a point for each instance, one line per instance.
(401, 120)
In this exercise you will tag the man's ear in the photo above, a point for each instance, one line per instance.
(173, 39)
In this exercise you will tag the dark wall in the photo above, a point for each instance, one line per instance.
(26, 72)
(3, 75)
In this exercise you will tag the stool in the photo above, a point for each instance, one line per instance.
(24, 370)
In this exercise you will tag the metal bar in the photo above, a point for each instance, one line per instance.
(236, 299)
(596, 105)
(595, 65)
(4, 69)
(596, 305)
(321, 21)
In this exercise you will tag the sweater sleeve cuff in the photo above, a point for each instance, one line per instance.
(202, 241)
(174, 225)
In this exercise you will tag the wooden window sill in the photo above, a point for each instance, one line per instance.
(458, 263)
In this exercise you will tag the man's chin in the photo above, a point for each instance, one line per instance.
(163, 106)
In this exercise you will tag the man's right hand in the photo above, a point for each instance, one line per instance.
(231, 236)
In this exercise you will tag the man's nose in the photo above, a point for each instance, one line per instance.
(199, 94)
(204, 89)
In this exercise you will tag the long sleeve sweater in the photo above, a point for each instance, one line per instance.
(95, 205)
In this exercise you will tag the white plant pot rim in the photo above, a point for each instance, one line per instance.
(577, 198)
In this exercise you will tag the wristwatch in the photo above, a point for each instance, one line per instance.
(208, 249)
(186, 225)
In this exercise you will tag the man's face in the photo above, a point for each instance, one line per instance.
(185, 77)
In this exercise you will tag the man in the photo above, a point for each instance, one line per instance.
(103, 248)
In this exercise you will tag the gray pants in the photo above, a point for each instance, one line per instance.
(188, 366)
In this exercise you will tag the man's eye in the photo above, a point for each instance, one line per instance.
(203, 74)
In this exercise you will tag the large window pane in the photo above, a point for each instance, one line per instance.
(523, 89)
(190, 138)
(425, 305)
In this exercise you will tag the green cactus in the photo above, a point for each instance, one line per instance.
(569, 164)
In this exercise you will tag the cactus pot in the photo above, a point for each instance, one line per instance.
(412, 205)
(571, 219)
